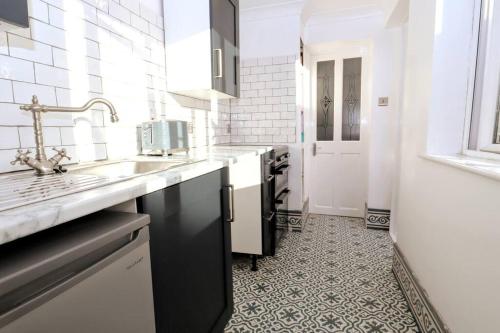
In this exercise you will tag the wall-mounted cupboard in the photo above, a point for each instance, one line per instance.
(202, 47)
(14, 12)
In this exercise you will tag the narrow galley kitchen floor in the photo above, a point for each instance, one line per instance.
(335, 276)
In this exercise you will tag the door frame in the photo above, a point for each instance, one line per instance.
(330, 51)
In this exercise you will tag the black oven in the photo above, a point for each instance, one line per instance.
(281, 189)
(268, 210)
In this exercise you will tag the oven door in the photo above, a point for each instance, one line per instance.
(281, 177)
(268, 213)
(281, 202)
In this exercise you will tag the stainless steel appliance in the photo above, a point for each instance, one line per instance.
(282, 191)
(164, 137)
(92, 275)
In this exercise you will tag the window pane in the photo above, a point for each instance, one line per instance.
(484, 129)
(351, 111)
(324, 104)
(497, 132)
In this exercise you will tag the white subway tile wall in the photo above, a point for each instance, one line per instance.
(75, 50)
(266, 112)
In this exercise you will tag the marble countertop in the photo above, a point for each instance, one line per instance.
(25, 220)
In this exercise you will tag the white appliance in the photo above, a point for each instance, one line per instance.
(92, 275)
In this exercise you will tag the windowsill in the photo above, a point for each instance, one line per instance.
(481, 166)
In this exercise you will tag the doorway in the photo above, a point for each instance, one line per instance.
(338, 170)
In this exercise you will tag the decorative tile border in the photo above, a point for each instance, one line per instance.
(294, 220)
(426, 316)
(378, 218)
(282, 220)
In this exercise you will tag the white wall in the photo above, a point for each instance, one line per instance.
(447, 219)
(451, 68)
(386, 76)
(268, 111)
(78, 49)
(269, 32)
(384, 122)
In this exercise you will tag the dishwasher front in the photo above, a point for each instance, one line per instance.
(91, 275)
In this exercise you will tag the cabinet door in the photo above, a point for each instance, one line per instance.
(190, 255)
(246, 232)
(15, 12)
(224, 19)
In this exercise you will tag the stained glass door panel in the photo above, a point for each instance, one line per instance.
(351, 98)
(325, 100)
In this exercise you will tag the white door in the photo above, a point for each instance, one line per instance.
(340, 101)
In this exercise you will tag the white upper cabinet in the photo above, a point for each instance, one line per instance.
(202, 47)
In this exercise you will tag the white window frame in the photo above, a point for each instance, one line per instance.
(491, 151)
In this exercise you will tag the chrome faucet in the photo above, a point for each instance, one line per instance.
(40, 163)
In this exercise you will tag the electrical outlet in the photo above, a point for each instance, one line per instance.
(383, 101)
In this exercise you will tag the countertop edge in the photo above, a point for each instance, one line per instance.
(26, 220)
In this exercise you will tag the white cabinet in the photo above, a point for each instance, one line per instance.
(246, 230)
(202, 42)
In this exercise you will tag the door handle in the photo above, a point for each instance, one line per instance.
(230, 189)
(314, 149)
(219, 63)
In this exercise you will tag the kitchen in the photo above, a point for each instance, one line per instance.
(239, 166)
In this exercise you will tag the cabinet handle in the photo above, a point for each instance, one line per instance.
(231, 203)
(219, 63)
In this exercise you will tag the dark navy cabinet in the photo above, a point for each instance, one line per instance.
(191, 254)
(224, 19)
(14, 12)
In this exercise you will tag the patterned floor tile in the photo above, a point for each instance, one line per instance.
(335, 276)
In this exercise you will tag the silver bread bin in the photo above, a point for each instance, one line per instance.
(164, 137)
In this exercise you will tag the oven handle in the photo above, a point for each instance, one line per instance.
(280, 170)
(283, 157)
(269, 162)
(270, 218)
(269, 178)
(279, 200)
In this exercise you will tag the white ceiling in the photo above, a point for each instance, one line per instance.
(321, 7)
(249, 4)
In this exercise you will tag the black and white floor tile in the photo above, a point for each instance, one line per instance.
(335, 276)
